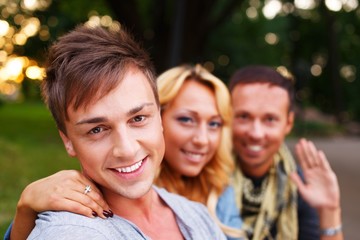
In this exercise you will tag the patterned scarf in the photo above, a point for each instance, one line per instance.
(278, 203)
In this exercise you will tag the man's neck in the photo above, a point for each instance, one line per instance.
(149, 213)
(256, 171)
(132, 209)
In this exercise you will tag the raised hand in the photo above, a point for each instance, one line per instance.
(321, 188)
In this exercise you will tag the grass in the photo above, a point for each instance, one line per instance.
(30, 148)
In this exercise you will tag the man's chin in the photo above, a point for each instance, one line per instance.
(251, 163)
(251, 159)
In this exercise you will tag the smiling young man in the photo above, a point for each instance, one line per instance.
(100, 88)
(271, 208)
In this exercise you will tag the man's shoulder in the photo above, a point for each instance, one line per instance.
(60, 217)
(65, 225)
(67, 218)
(178, 201)
(193, 218)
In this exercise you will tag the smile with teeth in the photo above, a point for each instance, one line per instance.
(255, 148)
(196, 156)
(131, 168)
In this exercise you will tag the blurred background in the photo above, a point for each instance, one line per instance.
(317, 42)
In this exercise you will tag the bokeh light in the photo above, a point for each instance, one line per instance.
(223, 60)
(333, 5)
(251, 13)
(271, 8)
(348, 72)
(4, 27)
(104, 21)
(316, 70)
(210, 66)
(13, 68)
(305, 4)
(30, 4)
(337, 5)
(271, 38)
(285, 72)
(35, 73)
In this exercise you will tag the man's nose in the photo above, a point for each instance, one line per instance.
(257, 130)
(125, 144)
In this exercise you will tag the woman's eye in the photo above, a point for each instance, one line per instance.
(185, 119)
(215, 124)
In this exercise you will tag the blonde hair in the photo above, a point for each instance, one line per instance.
(215, 176)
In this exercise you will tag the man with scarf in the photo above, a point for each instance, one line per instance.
(272, 206)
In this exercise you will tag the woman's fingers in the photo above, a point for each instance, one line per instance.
(85, 192)
(78, 202)
(94, 193)
(65, 190)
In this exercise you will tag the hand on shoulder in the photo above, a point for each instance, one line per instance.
(64, 191)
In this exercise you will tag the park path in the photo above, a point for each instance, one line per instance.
(344, 156)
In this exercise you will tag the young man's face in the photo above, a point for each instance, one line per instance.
(261, 122)
(118, 139)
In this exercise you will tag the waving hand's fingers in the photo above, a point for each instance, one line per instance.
(321, 188)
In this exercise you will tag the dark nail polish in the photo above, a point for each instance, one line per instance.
(94, 214)
(106, 213)
(111, 213)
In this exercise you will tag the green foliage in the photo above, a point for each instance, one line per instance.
(31, 89)
(243, 41)
(30, 148)
(311, 129)
(83, 8)
(304, 38)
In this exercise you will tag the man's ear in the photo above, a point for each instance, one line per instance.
(68, 144)
(290, 121)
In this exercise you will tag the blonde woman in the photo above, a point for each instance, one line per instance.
(196, 118)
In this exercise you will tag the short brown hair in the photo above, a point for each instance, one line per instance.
(263, 74)
(86, 64)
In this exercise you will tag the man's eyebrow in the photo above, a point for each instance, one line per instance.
(92, 120)
(104, 119)
(138, 108)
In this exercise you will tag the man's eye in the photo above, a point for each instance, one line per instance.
(242, 116)
(96, 130)
(270, 119)
(139, 118)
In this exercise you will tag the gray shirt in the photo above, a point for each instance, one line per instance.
(192, 218)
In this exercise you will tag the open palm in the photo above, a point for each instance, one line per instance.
(321, 188)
